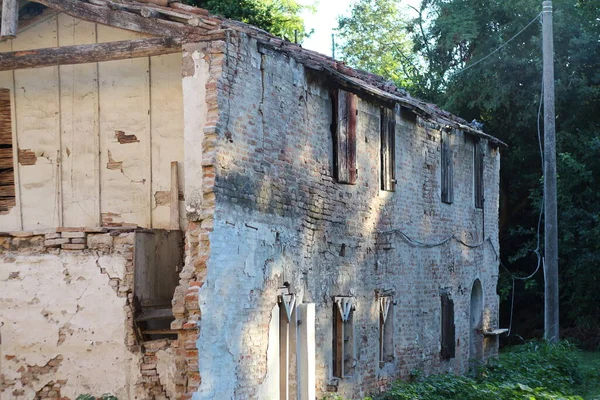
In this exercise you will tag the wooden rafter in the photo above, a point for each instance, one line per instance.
(115, 17)
(87, 53)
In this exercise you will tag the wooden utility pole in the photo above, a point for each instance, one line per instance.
(551, 327)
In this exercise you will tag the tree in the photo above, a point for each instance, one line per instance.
(279, 17)
(374, 38)
(503, 91)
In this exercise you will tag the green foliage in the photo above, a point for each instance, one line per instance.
(90, 397)
(535, 371)
(279, 17)
(503, 92)
(374, 38)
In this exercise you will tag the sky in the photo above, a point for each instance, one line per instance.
(323, 22)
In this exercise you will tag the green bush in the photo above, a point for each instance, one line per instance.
(534, 371)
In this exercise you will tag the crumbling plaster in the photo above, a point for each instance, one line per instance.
(62, 305)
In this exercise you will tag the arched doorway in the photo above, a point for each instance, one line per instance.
(476, 323)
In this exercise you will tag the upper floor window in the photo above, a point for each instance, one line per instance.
(345, 116)
(7, 175)
(388, 149)
(478, 154)
(447, 168)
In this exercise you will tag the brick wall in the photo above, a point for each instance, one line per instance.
(280, 217)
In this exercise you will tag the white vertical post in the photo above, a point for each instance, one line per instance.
(306, 352)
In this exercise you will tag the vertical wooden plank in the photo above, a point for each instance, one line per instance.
(37, 100)
(351, 137)
(174, 224)
(284, 353)
(79, 129)
(384, 152)
(392, 148)
(166, 112)
(307, 351)
(125, 157)
(338, 343)
(342, 137)
(450, 168)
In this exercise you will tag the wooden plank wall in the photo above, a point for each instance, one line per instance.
(95, 141)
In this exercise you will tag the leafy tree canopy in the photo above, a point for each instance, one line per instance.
(279, 17)
(503, 91)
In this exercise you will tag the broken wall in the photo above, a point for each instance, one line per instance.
(93, 143)
(281, 218)
(66, 320)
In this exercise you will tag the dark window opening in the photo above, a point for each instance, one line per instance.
(448, 328)
(343, 337)
(447, 163)
(386, 330)
(7, 172)
(478, 154)
(388, 149)
(343, 128)
(158, 259)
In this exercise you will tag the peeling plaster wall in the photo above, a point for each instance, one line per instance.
(93, 143)
(280, 217)
(63, 325)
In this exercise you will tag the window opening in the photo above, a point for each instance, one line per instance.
(158, 259)
(343, 336)
(386, 330)
(345, 117)
(478, 173)
(287, 305)
(447, 163)
(388, 149)
(448, 328)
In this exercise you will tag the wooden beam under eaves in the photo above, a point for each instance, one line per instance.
(88, 53)
(119, 18)
(10, 18)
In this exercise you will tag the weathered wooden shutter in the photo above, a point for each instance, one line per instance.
(448, 328)
(447, 169)
(7, 175)
(388, 149)
(344, 139)
(478, 170)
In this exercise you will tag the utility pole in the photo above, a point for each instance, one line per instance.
(551, 326)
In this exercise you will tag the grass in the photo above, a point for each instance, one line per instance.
(533, 371)
(589, 362)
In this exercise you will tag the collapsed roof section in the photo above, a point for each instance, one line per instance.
(174, 24)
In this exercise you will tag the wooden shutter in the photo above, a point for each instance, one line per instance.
(447, 169)
(448, 328)
(7, 175)
(345, 106)
(478, 172)
(388, 149)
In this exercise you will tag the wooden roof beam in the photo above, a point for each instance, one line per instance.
(88, 53)
(10, 18)
(105, 15)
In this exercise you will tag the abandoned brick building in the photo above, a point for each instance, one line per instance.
(192, 208)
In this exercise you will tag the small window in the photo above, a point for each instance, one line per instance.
(345, 116)
(386, 330)
(7, 174)
(478, 154)
(447, 168)
(343, 337)
(287, 304)
(388, 149)
(448, 328)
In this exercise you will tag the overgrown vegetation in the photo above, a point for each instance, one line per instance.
(534, 371)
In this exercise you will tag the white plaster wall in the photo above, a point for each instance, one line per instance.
(62, 305)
